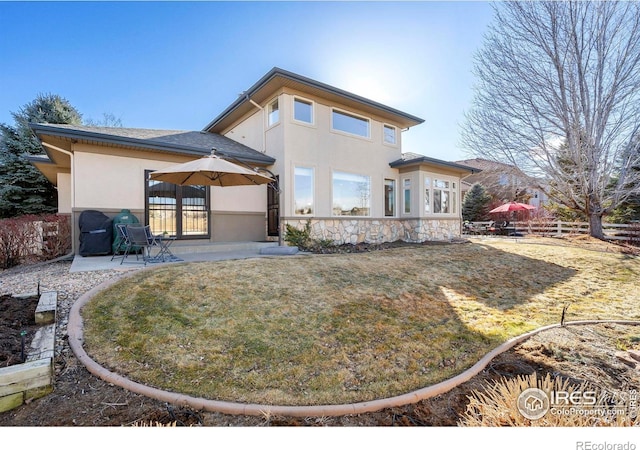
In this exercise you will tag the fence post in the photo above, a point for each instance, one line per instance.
(559, 227)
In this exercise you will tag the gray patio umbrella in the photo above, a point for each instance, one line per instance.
(210, 170)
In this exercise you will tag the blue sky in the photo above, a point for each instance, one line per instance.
(176, 65)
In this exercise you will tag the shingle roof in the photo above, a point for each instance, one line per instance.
(197, 143)
(485, 164)
(415, 158)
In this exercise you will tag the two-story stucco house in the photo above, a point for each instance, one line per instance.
(338, 158)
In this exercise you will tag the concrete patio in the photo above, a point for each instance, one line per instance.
(208, 252)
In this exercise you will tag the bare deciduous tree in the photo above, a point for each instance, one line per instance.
(558, 96)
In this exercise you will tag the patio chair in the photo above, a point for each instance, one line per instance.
(140, 237)
(122, 243)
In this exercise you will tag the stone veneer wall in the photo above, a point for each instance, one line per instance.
(377, 231)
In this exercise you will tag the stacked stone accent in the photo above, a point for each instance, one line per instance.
(377, 231)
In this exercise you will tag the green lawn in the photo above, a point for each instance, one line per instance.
(344, 328)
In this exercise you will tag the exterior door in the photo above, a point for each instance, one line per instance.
(273, 210)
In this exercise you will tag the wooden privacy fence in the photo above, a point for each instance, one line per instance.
(614, 231)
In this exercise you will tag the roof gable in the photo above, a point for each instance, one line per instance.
(278, 78)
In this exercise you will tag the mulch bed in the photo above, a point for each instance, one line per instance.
(17, 315)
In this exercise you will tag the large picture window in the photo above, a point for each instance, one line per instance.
(181, 211)
(303, 191)
(351, 194)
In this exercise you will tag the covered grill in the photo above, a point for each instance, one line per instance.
(95, 233)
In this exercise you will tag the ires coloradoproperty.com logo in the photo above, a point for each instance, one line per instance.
(534, 403)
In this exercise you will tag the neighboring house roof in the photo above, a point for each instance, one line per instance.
(409, 159)
(278, 78)
(502, 180)
(485, 164)
(196, 143)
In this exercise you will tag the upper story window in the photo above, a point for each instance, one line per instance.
(389, 134)
(302, 110)
(350, 123)
(273, 113)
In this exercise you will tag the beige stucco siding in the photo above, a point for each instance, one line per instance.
(239, 198)
(250, 132)
(116, 182)
(318, 146)
(63, 185)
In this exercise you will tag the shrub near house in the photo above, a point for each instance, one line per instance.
(30, 237)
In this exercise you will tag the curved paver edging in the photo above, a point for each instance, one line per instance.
(75, 332)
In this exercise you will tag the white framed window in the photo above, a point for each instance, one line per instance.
(389, 197)
(454, 198)
(303, 191)
(350, 123)
(302, 110)
(351, 194)
(406, 195)
(389, 134)
(427, 195)
(273, 113)
(445, 195)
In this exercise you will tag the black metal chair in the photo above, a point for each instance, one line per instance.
(142, 238)
(122, 243)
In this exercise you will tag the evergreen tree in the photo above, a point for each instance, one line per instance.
(475, 205)
(23, 189)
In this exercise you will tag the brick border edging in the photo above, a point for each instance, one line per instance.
(76, 334)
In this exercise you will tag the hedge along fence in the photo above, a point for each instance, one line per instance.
(33, 238)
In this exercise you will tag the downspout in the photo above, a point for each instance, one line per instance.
(73, 191)
(264, 150)
(264, 132)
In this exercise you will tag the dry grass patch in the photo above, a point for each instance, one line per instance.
(498, 406)
(343, 328)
